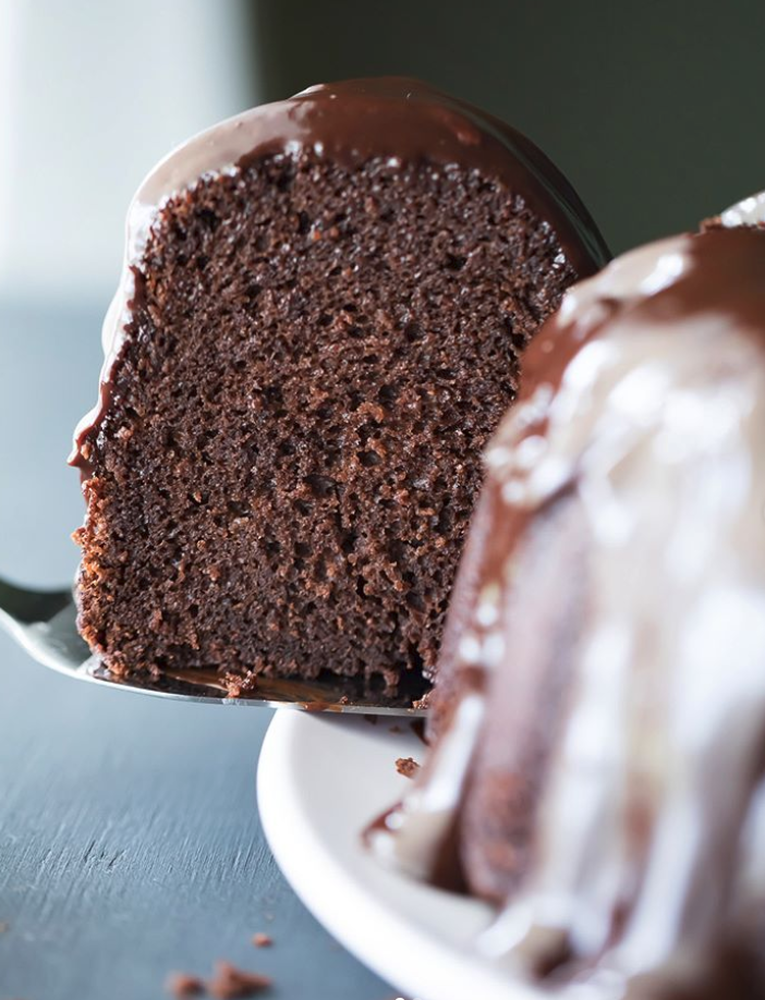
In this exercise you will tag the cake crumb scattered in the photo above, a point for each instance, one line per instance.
(230, 983)
(394, 729)
(181, 984)
(4, 926)
(407, 766)
(261, 940)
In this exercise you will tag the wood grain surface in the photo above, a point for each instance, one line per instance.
(130, 844)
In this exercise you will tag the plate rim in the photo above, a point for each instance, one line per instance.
(398, 949)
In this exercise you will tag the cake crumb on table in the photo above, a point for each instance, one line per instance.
(407, 766)
(230, 983)
(4, 926)
(261, 940)
(181, 984)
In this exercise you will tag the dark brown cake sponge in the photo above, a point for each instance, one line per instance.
(282, 472)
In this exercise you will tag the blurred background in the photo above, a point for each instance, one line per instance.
(652, 109)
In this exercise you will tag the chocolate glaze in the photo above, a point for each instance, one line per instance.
(648, 867)
(349, 122)
(721, 272)
(327, 693)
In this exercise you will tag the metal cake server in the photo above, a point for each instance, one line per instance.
(44, 624)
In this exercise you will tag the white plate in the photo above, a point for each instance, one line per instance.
(320, 781)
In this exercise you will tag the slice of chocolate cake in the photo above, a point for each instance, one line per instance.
(319, 324)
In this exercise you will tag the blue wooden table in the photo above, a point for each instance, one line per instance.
(130, 844)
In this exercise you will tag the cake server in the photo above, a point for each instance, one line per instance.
(44, 623)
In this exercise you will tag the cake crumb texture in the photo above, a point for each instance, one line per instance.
(285, 470)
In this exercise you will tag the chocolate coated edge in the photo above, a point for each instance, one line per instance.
(357, 120)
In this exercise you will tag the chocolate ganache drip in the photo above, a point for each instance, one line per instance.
(642, 417)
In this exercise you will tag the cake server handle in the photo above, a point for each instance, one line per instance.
(44, 623)
(24, 607)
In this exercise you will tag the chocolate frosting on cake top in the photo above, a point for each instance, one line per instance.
(351, 122)
(645, 396)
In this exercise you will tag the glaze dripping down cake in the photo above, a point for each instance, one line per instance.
(597, 765)
(319, 324)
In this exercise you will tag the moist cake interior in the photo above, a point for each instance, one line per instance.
(289, 457)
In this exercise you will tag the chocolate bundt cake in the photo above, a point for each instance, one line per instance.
(318, 326)
(598, 757)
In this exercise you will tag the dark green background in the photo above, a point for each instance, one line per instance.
(653, 110)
